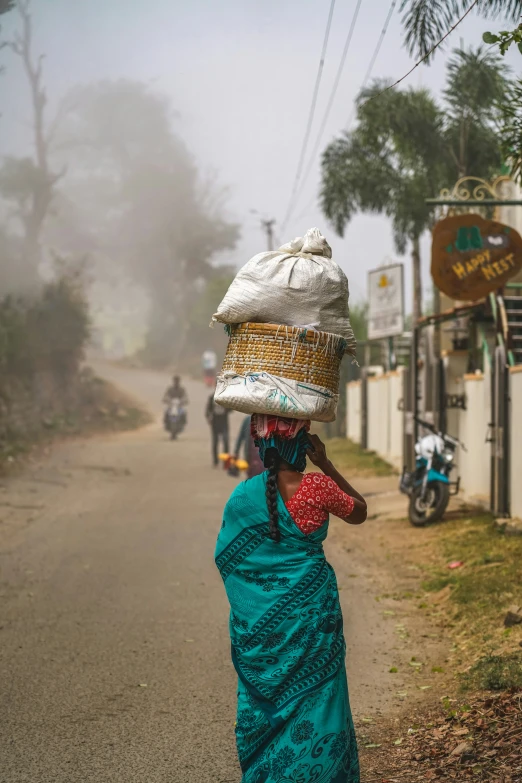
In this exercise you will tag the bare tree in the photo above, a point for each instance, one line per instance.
(37, 190)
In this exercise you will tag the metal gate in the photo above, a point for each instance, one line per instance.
(499, 434)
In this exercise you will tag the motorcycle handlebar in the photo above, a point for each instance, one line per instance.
(430, 427)
(425, 424)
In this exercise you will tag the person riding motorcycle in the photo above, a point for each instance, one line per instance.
(175, 392)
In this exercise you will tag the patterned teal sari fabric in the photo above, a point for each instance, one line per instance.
(293, 719)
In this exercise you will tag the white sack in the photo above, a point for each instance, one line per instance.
(297, 285)
(265, 393)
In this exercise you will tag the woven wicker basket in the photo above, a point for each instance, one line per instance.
(286, 351)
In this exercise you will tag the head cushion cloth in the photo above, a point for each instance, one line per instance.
(287, 436)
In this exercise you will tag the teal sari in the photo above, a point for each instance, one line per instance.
(294, 723)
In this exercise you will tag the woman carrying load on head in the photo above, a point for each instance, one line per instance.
(294, 723)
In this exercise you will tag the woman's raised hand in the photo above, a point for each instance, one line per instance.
(317, 452)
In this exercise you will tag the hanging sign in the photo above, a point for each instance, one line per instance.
(385, 302)
(471, 256)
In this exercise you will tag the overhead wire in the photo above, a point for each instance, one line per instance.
(376, 52)
(419, 62)
(365, 81)
(311, 113)
(426, 56)
(333, 93)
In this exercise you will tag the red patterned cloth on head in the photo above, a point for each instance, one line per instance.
(266, 426)
(317, 497)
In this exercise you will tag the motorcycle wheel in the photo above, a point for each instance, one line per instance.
(433, 508)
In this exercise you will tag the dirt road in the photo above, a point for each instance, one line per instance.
(114, 651)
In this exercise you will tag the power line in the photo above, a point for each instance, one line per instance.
(365, 81)
(371, 66)
(428, 54)
(391, 86)
(311, 113)
(328, 109)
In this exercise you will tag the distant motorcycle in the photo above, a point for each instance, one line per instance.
(428, 486)
(175, 418)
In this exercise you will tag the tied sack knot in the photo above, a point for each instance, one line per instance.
(313, 243)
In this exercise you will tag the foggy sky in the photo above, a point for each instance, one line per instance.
(240, 75)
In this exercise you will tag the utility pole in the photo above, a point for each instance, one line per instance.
(268, 227)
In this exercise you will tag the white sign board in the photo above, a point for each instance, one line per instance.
(386, 302)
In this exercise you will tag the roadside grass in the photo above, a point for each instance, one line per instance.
(350, 458)
(494, 673)
(476, 596)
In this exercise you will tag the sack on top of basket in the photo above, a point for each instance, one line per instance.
(297, 285)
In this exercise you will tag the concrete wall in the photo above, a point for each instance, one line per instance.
(396, 395)
(378, 414)
(385, 420)
(474, 464)
(353, 411)
(516, 441)
(470, 426)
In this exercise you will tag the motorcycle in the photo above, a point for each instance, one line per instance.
(428, 486)
(175, 418)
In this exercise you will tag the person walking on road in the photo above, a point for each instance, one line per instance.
(245, 443)
(217, 417)
(209, 365)
(293, 713)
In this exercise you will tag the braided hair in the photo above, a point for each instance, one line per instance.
(272, 461)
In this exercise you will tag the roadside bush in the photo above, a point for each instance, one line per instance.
(48, 331)
(495, 673)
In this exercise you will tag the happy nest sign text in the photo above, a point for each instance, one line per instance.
(471, 256)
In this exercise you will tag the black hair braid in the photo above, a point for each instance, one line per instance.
(272, 463)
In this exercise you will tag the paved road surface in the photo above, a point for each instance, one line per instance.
(114, 653)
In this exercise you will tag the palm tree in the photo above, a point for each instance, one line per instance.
(387, 165)
(405, 148)
(476, 83)
(427, 21)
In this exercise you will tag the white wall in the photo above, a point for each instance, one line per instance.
(385, 428)
(396, 395)
(474, 464)
(378, 414)
(353, 411)
(516, 441)
(385, 420)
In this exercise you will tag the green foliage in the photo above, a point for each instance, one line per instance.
(504, 39)
(511, 130)
(359, 320)
(46, 331)
(477, 82)
(495, 673)
(427, 21)
(387, 164)
(406, 148)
